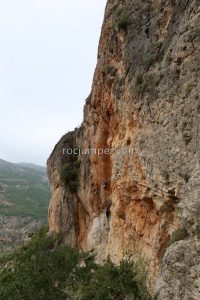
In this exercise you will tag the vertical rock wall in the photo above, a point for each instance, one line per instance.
(145, 98)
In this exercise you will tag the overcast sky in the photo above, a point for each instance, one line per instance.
(48, 51)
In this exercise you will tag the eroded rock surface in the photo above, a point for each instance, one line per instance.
(145, 98)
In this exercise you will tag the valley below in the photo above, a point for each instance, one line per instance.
(24, 197)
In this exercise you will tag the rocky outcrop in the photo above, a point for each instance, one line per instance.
(144, 109)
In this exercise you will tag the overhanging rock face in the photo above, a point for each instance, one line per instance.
(145, 98)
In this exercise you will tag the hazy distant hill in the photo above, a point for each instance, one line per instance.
(33, 166)
(24, 198)
(24, 190)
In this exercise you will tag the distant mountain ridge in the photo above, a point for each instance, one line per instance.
(33, 166)
(22, 164)
(24, 198)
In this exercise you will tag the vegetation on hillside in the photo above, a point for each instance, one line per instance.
(178, 235)
(24, 191)
(70, 173)
(122, 20)
(45, 269)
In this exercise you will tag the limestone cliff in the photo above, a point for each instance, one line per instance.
(145, 98)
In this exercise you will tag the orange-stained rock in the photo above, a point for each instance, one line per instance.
(144, 98)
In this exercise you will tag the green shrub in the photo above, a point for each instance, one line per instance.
(38, 270)
(70, 173)
(122, 20)
(122, 23)
(178, 235)
(142, 84)
(44, 269)
(112, 282)
(70, 177)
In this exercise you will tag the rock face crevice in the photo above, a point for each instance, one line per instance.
(145, 100)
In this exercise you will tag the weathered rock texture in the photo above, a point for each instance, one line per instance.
(145, 97)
